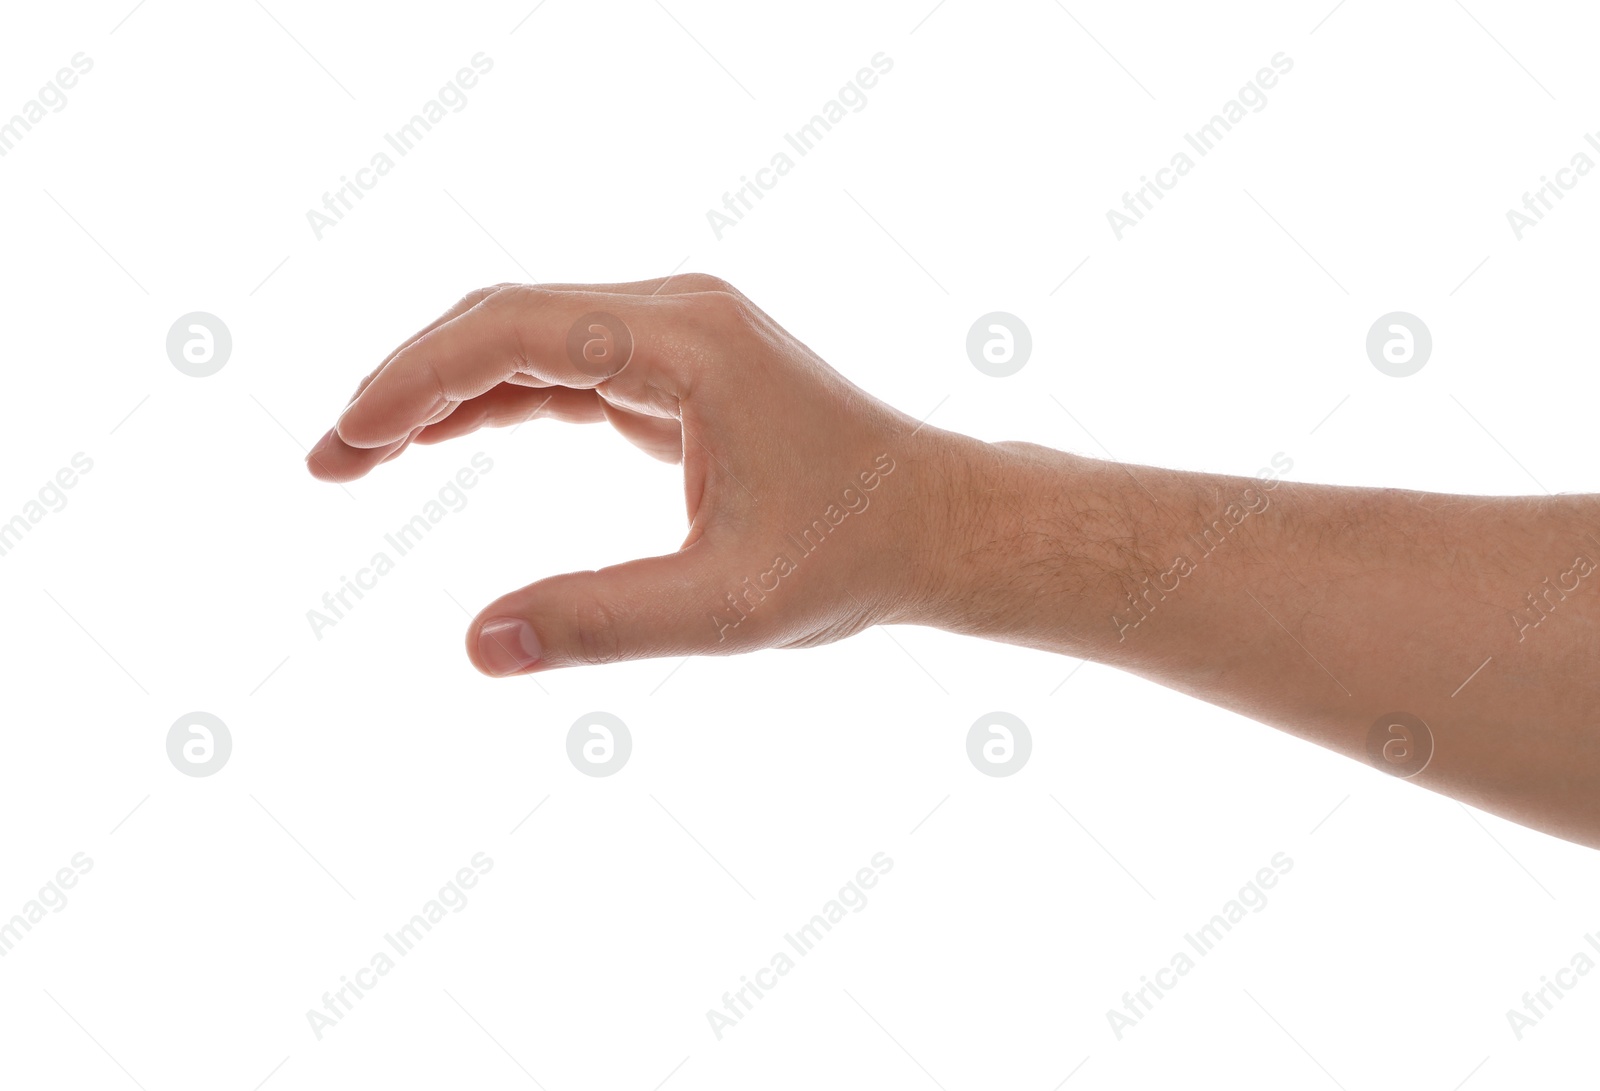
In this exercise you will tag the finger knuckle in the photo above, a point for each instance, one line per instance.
(702, 282)
(517, 297)
(514, 309)
(477, 296)
(724, 310)
(597, 628)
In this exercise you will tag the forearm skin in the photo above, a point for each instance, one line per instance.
(1316, 609)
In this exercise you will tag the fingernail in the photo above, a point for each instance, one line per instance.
(507, 645)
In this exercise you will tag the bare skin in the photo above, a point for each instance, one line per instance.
(816, 511)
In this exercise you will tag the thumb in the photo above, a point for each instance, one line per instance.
(657, 606)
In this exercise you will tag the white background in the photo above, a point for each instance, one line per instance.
(369, 765)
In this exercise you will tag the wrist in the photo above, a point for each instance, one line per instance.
(996, 537)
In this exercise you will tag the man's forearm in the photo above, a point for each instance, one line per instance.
(1317, 609)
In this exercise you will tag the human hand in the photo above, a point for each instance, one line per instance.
(814, 510)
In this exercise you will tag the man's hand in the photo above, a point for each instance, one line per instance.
(1451, 640)
(814, 510)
